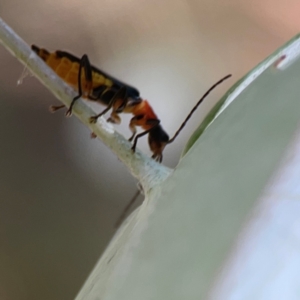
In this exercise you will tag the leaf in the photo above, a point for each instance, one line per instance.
(239, 86)
(175, 244)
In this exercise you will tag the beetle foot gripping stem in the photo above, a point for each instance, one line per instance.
(93, 119)
(54, 108)
(69, 112)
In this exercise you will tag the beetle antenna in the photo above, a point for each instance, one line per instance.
(195, 107)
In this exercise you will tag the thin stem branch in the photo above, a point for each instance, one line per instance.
(145, 169)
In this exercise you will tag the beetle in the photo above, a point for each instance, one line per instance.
(95, 85)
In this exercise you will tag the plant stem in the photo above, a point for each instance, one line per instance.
(145, 169)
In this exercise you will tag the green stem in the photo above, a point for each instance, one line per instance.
(145, 169)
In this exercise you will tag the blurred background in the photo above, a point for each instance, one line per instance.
(60, 191)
